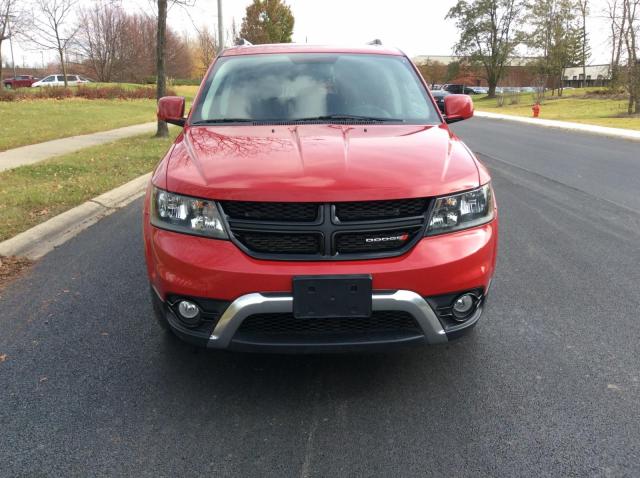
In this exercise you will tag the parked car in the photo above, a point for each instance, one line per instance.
(480, 90)
(20, 81)
(439, 96)
(459, 89)
(58, 80)
(315, 201)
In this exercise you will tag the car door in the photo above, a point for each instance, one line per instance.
(47, 81)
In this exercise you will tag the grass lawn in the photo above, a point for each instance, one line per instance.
(32, 194)
(574, 106)
(29, 122)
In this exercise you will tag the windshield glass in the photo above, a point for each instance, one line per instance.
(302, 86)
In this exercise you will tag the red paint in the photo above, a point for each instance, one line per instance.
(171, 108)
(458, 107)
(536, 110)
(317, 163)
(21, 81)
(200, 267)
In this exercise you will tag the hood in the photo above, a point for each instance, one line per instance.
(319, 163)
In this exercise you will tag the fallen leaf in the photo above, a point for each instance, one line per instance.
(3, 357)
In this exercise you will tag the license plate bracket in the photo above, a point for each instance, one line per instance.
(331, 296)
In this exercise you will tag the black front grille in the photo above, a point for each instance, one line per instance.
(327, 231)
(378, 210)
(264, 326)
(280, 243)
(271, 211)
(374, 241)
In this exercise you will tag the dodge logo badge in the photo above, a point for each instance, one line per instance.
(401, 237)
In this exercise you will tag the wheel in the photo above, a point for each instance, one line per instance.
(8, 86)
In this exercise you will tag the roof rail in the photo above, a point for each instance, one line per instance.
(375, 41)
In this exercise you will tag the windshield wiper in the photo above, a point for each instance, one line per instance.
(223, 120)
(347, 117)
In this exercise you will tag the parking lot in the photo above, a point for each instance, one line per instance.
(547, 385)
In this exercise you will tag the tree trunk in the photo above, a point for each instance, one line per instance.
(161, 77)
(492, 89)
(64, 66)
(0, 59)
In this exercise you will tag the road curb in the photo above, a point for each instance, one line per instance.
(43, 238)
(584, 128)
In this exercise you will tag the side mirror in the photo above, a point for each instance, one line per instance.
(458, 108)
(171, 110)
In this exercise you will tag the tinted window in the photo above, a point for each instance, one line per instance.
(60, 78)
(49, 78)
(299, 85)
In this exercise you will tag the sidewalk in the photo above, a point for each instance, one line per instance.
(584, 128)
(34, 153)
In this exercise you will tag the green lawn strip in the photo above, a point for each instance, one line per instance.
(32, 194)
(575, 107)
(30, 122)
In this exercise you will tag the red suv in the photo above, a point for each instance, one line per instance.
(316, 200)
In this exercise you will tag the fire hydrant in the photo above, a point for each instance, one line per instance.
(536, 110)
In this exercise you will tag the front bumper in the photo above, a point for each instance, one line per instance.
(225, 333)
(241, 286)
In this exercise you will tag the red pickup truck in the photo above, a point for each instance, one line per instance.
(20, 81)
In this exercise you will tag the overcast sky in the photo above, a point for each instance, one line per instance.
(415, 26)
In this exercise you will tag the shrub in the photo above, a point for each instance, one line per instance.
(82, 91)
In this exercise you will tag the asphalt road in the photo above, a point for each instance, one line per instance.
(547, 385)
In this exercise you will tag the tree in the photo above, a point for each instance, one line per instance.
(161, 57)
(585, 50)
(11, 20)
(557, 37)
(100, 39)
(162, 130)
(488, 34)
(267, 21)
(206, 47)
(434, 71)
(631, 12)
(617, 25)
(50, 28)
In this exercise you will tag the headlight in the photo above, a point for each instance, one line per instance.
(185, 214)
(460, 211)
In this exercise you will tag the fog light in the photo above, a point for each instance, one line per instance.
(463, 306)
(188, 310)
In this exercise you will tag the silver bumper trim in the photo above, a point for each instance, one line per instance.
(256, 303)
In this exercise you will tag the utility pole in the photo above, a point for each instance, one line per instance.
(220, 27)
(13, 61)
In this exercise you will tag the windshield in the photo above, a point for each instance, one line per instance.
(312, 87)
